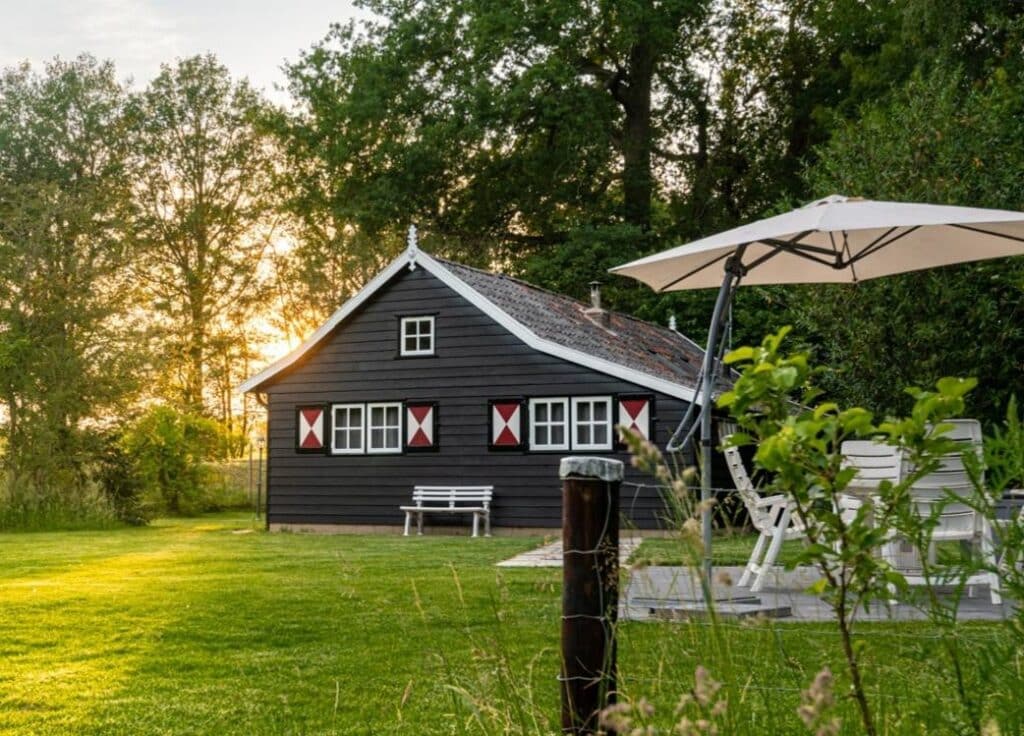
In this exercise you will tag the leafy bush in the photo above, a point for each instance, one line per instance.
(169, 450)
(119, 479)
(799, 442)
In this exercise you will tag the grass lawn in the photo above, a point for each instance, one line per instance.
(728, 549)
(208, 627)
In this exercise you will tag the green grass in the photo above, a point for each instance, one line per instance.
(727, 549)
(210, 627)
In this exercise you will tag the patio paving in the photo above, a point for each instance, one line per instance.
(550, 555)
(659, 593)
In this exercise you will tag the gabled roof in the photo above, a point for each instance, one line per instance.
(639, 352)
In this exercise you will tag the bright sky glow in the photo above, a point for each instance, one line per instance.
(252, 37)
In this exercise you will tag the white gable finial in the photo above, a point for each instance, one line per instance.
(413, 243)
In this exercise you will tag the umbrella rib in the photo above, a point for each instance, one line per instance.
(803, 251)
(694, 271)
(794, 245)
(766, 257)
(988, 232)
(877, 244)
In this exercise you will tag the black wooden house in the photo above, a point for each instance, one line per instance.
(441, 374)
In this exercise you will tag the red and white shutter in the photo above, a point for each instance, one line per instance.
(311, 429)
(635, 414)
(506, 424)
(420, 426)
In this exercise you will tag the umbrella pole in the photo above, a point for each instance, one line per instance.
(707, 389)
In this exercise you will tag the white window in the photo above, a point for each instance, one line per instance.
(384, 428)
(549, 424)
(348, 429)
(417, 336)
(592, 423)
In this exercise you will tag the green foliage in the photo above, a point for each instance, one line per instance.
(118, 476)
(68, 349)
(937, 140)
(203, 196)
(170, 450)
(29, 506)
(799, 443)
(1004, 452)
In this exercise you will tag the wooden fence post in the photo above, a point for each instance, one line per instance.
(590, 589)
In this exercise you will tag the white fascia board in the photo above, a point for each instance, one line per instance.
(419, 258)
(372, 286)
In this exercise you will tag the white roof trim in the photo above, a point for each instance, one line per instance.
(478, 300)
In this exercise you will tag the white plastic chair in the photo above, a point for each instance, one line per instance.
(957, 521)
(771, 516)
(876, 462)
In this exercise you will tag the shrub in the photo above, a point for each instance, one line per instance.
(169, 450)
(119, 479)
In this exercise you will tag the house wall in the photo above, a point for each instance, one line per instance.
(476, 360)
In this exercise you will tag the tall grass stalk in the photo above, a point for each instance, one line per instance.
(28, 507)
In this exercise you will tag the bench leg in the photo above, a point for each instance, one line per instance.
(487, 523)
(476, 524)
(408, 519)
(419, 524)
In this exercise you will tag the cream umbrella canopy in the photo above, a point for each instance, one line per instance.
(833, 240)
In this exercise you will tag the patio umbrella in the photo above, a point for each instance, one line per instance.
(833, 240)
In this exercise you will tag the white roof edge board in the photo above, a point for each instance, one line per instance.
(413, 257)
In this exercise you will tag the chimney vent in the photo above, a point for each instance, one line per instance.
(672, 323)
(597, 314)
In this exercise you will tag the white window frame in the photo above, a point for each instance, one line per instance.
(385, 405)
(566, 425)
(593, 401)
(403, 333)
(335, 450)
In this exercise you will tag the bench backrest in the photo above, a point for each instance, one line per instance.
(452, 495)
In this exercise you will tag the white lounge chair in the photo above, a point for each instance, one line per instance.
(771, 516)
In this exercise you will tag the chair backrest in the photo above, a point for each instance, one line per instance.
(950, 476)
(874, 461)
(740, 478)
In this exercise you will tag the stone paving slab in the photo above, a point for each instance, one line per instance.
(550, 555)
(656, 593)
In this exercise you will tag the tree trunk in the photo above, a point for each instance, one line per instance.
(196, 359)
(637, 181)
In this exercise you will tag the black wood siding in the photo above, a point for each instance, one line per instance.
(476, 360)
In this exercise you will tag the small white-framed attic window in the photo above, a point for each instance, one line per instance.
(416, 336)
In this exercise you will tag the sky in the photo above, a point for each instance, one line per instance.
(251, 37)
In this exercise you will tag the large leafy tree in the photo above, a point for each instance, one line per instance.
(205, 218)
(67, 342)
(499, 127)
(519, 132)
(939, 140)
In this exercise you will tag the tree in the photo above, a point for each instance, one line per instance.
(946, 140)
(507, 130)
(67, 345)
(204, 194)
(497, 127)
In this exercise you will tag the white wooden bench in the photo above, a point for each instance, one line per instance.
(474, 500)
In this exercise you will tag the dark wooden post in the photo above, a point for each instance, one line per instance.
(259, 479)
(590, 588)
